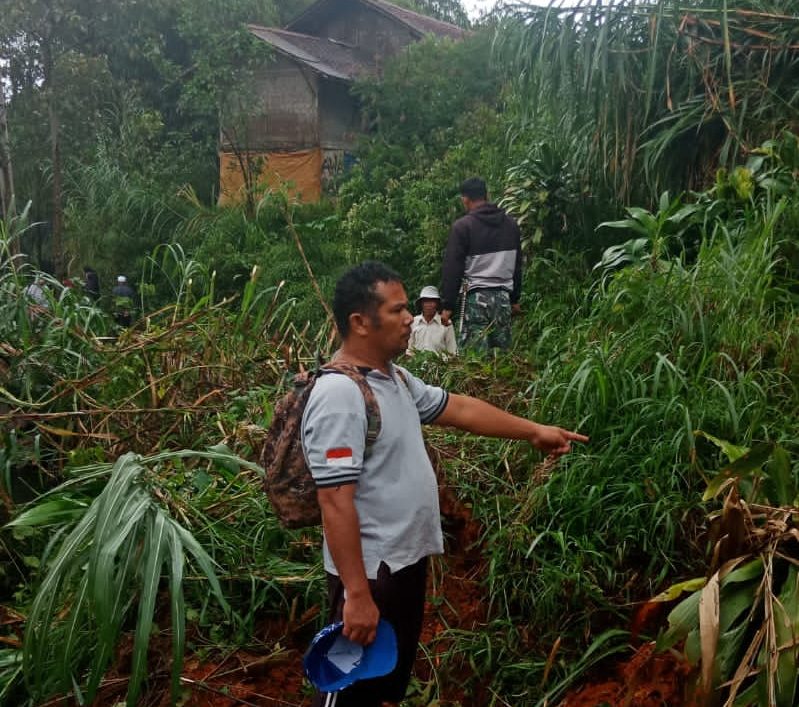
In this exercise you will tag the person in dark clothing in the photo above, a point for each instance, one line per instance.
(124, 296)
(484, 259)
(91, 283)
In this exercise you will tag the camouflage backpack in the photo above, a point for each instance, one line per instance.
(288, 481)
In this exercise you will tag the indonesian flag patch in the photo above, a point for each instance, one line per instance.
(340, 456)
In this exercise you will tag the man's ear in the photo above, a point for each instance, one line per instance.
(359, 323)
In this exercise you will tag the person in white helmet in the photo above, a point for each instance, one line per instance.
(428, 332)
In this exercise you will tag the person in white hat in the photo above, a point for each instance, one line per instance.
(428, 332)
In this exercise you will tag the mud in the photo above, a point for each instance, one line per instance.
(648, 679)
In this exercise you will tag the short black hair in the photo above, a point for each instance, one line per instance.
(474, 188)
(355, 292)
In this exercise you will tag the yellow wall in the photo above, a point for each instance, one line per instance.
(301, 171)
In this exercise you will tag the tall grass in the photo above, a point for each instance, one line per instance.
(690, 325)
(110, 561)
(638, 357)
(202, 372)
(651, 95)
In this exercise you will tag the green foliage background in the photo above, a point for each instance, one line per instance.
(660, 299)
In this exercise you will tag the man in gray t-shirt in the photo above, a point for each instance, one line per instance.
(380, 511)
(397, 495)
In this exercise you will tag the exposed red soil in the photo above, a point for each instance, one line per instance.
(249, 678)
(455, 601)
(648, 679)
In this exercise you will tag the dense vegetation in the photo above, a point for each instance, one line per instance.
(650, 152)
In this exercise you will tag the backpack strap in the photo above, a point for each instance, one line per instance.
(401, 375)
(357, 376)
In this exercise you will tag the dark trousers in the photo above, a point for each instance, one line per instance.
(400, 598)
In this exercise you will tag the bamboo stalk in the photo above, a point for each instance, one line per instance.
(309, 269)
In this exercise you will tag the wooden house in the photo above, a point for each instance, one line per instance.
(305, 122)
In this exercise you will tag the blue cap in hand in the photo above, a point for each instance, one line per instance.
(333, 662)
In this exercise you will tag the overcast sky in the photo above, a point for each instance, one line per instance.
(475, 7)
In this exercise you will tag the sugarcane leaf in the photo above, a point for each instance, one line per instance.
(781, 478)
(674, 591)
(709, 629)
(73, 633)
(225, 458)
(743, 573)
(153, 559)
(731, 451)
(683, 618)
(204, 561)
(105, 603)
(111, 503)
(735, 599)
(653, 61)
(730, 643)
(219, 453)
(55, 512)
(70, 555)
(741, 468)
(178, 608)
(111, 599)
(786, 625)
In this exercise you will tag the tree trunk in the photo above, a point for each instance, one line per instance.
(246, 165)
(7, 201)
(58, 210)
(57, 218)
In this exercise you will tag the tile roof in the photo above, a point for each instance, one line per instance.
(325, 56)
(419, 23)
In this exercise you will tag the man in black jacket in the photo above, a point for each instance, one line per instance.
(91, 282)
(484, 258)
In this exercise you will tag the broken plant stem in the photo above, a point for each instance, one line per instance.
(290, 225)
